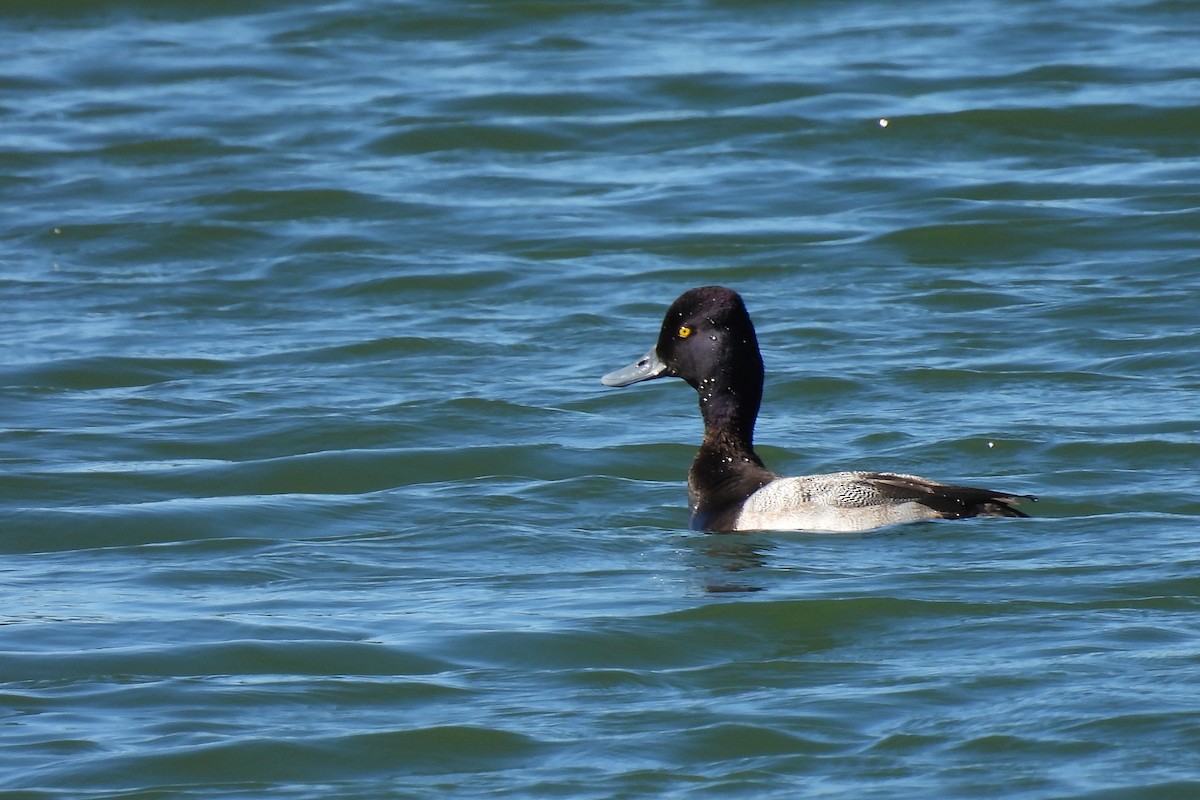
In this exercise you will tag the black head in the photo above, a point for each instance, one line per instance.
(708, 340)
(707, 336)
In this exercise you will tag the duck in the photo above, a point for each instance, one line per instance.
(708, 340)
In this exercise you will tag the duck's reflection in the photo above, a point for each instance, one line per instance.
(731, 563)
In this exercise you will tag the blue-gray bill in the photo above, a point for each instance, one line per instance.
(647, 367)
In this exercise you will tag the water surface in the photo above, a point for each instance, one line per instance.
(309, 488)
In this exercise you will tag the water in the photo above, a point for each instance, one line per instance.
(309, 488)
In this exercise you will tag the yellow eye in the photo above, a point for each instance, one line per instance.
(684, 331)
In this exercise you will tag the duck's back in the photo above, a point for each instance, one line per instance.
(844, 502)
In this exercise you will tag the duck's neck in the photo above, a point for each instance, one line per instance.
(729, 417)
(729, 403)
(726, 470)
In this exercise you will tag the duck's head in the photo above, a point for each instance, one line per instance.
(708, 340)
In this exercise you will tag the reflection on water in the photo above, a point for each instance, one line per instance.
(729, 561)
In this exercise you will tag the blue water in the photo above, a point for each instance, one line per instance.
(309, 488)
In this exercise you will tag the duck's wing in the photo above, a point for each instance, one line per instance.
(952, 502)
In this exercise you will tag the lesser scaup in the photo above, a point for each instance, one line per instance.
(707, 339)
